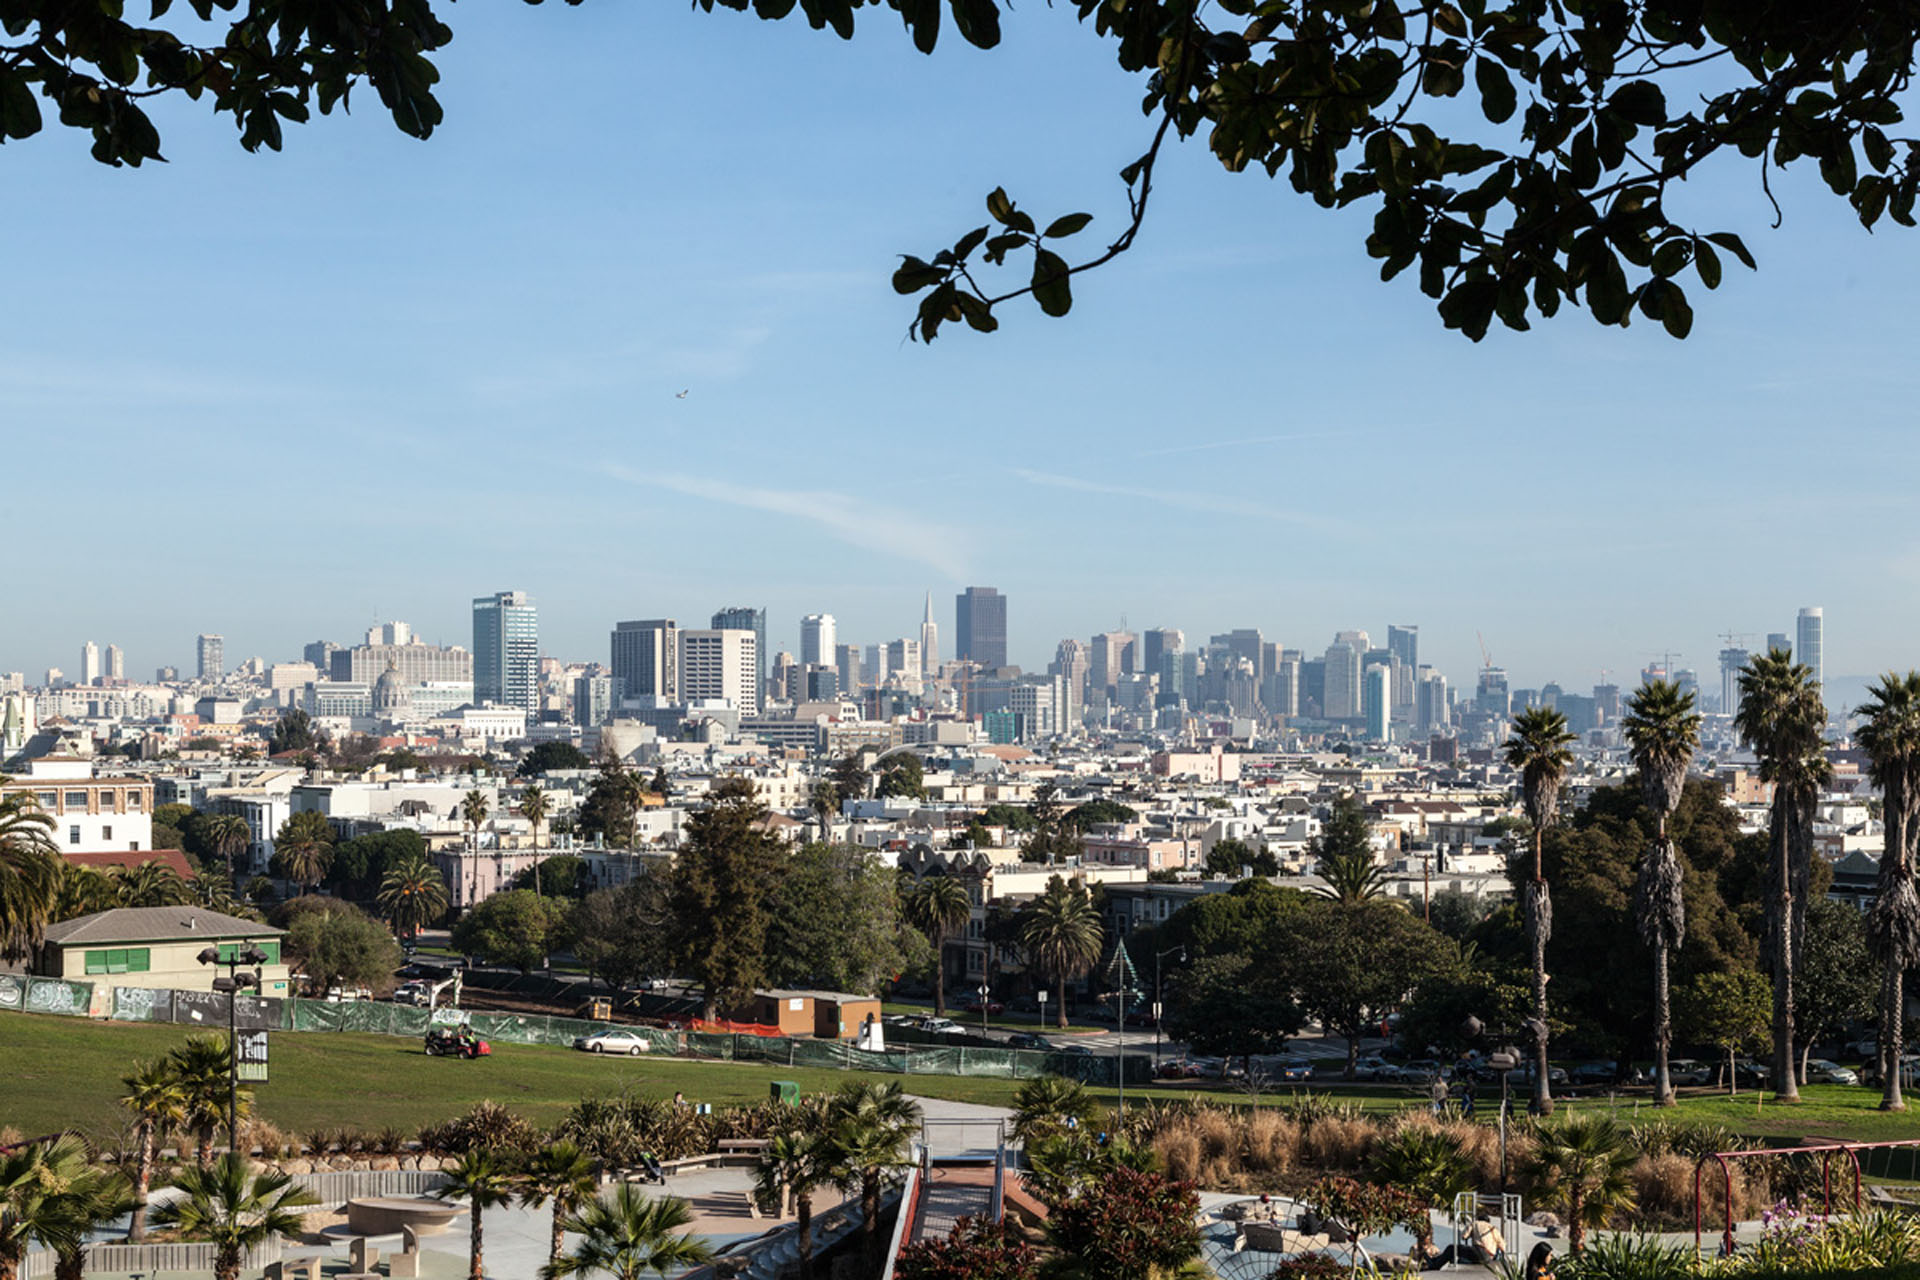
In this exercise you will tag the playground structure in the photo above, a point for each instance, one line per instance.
(1828, 1153)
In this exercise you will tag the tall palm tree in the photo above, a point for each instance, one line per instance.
(1781, 717)
(562, 1173)
(30, 866)
(83, 891)
(158, 1103)
(229, 835)
(235, 1209)
(1582, 1166)
(201, 1064)
(474, 808)
(413, 894)
(484, 1183)
(627, 1235)
(151, 884)
(32, 1178)
(1060, 933)
(792, 1167)
(88, 1199)
(1538, 749)
(870, 1128)
(1891, 739)
(1663, 731)
(1343, 855)
(303, 858)
(939, 907)
(533, 807)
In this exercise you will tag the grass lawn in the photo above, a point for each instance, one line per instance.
(65, 1072)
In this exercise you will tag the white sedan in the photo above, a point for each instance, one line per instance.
(613, 1042)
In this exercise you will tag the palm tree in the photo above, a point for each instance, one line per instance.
(229, 834)
(533, 807)
(1662, 731)
(32, 1179)
(824, 799)
(91, 1197)
(1048, 1106)
(151, 884)
(83, 891)
(1781, 717)
(1582, 1166)
(1060, 933)
(1538, 749)
(30, 865)
(474, 810)
(627, 1235)
(938, 906)
(303, 858)
(793, 1165)
(201, 1064)
(235, 1209)
(870, 1129)
(1891, 739)
(159, 1105)
(1343, 853)
(484, 1183)
(413, 894)
(562, 1173)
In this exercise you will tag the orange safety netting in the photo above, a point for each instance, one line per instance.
(735, 1028)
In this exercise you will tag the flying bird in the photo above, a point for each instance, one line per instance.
(681, 395)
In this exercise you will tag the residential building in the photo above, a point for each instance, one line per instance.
(720, 664)
(646, 658)
(91, 814)
(980, 627)
(595, 696)
(506, 650)
(211, 650)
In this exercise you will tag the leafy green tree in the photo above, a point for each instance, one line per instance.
(851, 776)
(1230, 856)
(232, 1207)
(1838, 987)
(413, 893)
(1236, 922)
(157, 1101)
(1733, 1011)
(720, 895)
(167, 822)
(534, 808)
(552, 755)
(1456, 913)
(1083, 817)
(87, 1199)
(561, 1173)
(1060, 934)
(794, 1165)
(1891, 738)
(1662, 732)
(612, 806)
(151, 884)
(974, 1250)
(836, 922)
(1782, 717)
(823, 799)
(1344, 857)
(475, 808)
(1538, 749)
(1130, 1224)
(627, 1236)
(484, 1181)
(1429, 1163)
(621, 935)
(903, 775)
(1582, 1166)
(1433, 1017)
(344, 947)
(1051, 840)
(293, 732)
(939, 906)
(562, 877)
(360, 866)
(1011, 817)
(516, 927)
(1231, 1007)
(1350, 963)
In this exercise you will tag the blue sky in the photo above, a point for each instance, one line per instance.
(278, 396)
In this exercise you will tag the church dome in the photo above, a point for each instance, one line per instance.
(391, 698)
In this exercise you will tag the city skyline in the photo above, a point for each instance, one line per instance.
(1564, 492)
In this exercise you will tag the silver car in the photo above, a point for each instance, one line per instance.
(1823, 1071)
(626, 1042)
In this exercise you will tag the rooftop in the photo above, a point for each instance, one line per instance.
(155, 924)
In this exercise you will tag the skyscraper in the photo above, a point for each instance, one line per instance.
(1112, 656)
(846, 660)
(817, 640)
(1809, 638)
(89, 663)
(721, 663)
(1376, 701)
(646, 658)
(1779, 640)
(1340, 699)
(1430, 715)
(212, 655)
(506, 651)
(980, 627)
(929, 639)
(1732, 660)
(116, 666)
(1491, 697)
(742, 618)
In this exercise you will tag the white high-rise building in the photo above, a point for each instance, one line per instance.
(1376, 701)
(212, 654)
(506, 651)
(89, 663)
(929, 639)
(817, 640)
(1809, 637)
(721, 663)
(116, 663)
(1340, 696)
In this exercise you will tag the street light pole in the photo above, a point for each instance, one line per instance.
(233, 984)
(984, 993)
(1157, 1005)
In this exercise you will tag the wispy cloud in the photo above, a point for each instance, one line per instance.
(855, 521)
(1249, 440)
(1209, 503)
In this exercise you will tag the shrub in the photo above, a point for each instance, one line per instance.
(1309, 1266)
(1630, 1257)
(487, 1126)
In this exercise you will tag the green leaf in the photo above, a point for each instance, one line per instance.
(967, 243)
(913, 275)
(999, 205)
(1640, 101)
(19, 113)
(978, 22)
(1051, 287)
(1450, 20)
(1497, 98)
(1469, 305)
(1678, 314)
(1732, 244)
(978, 315)
(1067, 225)
(1672, 257)
(1706, 264)
(1879, 150)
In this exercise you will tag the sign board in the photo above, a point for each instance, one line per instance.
(253, 1055)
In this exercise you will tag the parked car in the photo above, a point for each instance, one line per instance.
(615, 1041)
(1029, 1040)
(1522, 1076)
(1688, 1071)
(1909, 1071)
(1296, 1069)
(1606, 1071)
(1747, 1074)
(1823, 1071)
(1378, 1069)
(1077, 1050)
(414, 993)
(942, 1026)
(1177, 1069)
(1425, 1069)
(972, 1005)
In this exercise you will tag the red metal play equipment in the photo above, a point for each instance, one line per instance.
(1827, 1153)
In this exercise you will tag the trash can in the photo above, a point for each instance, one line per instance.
(784, 1091)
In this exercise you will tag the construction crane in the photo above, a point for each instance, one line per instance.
(1486, 659)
